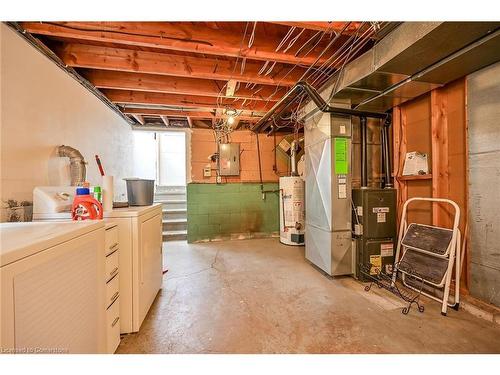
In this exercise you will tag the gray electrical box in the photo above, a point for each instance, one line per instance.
(229, 159)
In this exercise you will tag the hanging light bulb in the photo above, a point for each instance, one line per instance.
(230, 120)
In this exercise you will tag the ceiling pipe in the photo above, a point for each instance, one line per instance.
(364, 153)
(303, 87)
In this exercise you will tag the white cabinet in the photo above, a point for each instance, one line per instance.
(52, 290)
(140, 261)
(150, 265)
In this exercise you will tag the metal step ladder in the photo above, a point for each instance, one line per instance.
(428, 256)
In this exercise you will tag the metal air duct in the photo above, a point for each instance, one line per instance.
(77, 167)
(413, 59)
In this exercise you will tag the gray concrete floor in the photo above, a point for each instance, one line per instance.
(258, 296)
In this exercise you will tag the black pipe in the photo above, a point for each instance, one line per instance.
(382, 157)
(263, 192)
(364, 153)
(323, 106)
(387, 154)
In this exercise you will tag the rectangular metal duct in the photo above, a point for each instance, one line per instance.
(413, 59)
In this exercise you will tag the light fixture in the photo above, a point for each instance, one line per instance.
(230, 120)
(231, 112)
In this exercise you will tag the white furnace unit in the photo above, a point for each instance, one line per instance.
(328, 193)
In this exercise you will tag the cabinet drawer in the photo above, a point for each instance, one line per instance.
(112, 265)
(111, 240)
(113, 327)
(112, 290)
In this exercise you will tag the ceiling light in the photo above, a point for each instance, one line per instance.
(231, 112)
(230, 120)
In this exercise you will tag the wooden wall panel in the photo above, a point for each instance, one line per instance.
(416, 124)
(434, 123)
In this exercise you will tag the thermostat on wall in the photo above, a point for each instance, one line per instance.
(207, 171)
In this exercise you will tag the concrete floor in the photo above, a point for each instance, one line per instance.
(258, 296)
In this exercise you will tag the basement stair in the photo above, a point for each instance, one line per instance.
(173, 200)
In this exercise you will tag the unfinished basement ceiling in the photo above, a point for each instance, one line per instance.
(189, 74)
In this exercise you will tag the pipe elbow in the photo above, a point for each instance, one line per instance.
(78, 170)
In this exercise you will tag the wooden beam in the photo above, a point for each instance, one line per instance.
(139, 119)
(178, 36)
(194, 115)
(165, 120)
(185, 101)
(321, 26)
(127, 60)
(440, 165)
(107, 79)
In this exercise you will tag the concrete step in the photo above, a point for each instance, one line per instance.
(170, 196)
(174, 224)
(174, 213)
(174, 235)
(173, 203)
(170, 189)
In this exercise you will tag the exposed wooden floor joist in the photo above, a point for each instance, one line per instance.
(176, 85)
(177, 36)
(127, 60)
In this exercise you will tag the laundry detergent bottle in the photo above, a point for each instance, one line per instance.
(85, 206)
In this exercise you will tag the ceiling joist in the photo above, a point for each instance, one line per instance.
(126, 60)
(182, 36)
(321, 26)
(104, 79)
(186, 101)
(189, 114)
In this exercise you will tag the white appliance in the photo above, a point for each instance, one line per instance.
(292, 210)
(52, 289)
(140, 241)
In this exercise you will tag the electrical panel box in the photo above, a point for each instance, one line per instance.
(229, 159)
(374, 224)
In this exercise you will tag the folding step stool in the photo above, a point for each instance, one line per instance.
(428, 255)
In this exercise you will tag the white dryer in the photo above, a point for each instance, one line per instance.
(52, 287)
(140, 241)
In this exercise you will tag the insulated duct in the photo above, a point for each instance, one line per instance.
(413, 59)
(77, 167)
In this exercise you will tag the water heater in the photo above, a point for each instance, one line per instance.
(292, 210)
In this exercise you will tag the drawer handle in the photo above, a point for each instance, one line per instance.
(114, 272)
(114, 296)
(112, 247)
(115, 321)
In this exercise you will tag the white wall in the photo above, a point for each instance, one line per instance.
(43, 107)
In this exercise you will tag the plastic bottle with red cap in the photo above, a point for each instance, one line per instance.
(85, 206)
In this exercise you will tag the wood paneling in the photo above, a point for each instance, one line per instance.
(435, 124)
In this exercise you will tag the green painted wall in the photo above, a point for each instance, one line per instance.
(226, 210)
